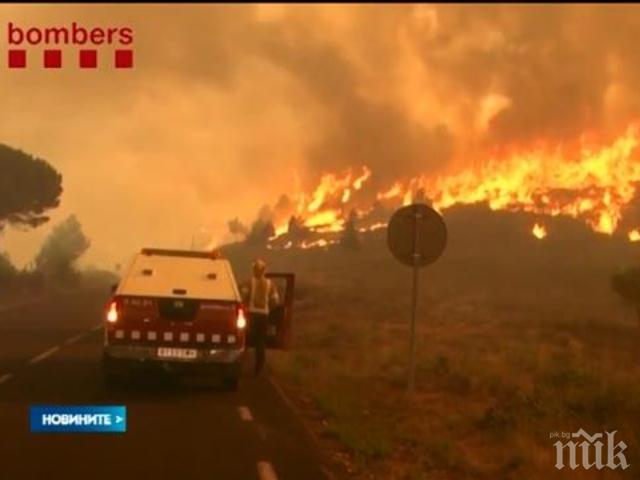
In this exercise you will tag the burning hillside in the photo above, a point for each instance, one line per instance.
(591, 181)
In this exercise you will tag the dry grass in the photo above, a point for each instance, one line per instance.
(509, 350)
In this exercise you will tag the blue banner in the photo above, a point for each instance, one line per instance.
(73, 419)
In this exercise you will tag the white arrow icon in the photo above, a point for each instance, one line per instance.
(119, 419)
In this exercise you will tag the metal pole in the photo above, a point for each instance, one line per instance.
(414, 302)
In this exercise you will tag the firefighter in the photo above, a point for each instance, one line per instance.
(261, 296)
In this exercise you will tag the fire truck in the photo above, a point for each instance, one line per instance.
(181, 311)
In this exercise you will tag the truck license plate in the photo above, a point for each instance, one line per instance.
(181, 353)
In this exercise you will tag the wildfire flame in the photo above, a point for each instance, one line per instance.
(595, 185)
(539, 231)
(317, 244)
(323, 211)
(591, 183)
(374, 227)
(331, 185)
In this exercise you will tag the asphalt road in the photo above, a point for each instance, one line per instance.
(49, 355)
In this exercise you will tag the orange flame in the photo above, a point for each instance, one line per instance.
(394, 191)
(317, 244)
(373, 228)
(322, 211)
(332, 185)
(358, 182)
(594, 186)
(592, 183)
(539, 231)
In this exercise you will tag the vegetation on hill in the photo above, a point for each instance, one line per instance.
(518, 338)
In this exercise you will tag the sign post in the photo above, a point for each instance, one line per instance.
(416, 236)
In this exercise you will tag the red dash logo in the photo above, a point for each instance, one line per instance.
(49, 47)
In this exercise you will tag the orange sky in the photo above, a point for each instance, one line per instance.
(230, 106)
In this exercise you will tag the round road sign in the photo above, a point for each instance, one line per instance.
(416, 235)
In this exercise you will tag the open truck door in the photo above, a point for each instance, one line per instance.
(279, 330)
(280, 317)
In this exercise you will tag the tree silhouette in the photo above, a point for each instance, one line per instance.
(61, 249)
(260, 233)
(297, 230)
(627, 285)
(350, 238)
(237, 228)
(29, 187)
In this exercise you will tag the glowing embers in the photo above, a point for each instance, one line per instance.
(539, 231)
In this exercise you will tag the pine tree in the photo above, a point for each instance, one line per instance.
(296, 230)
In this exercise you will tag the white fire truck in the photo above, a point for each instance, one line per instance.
(182, 311)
